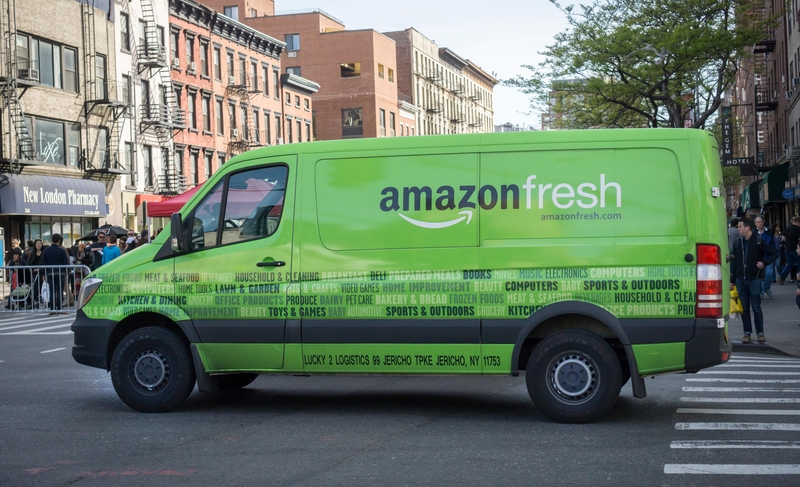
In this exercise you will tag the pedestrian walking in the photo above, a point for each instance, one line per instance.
(144, 239)
(769, 271)
(111, 251)
(733, 233)
(791, 236)
(751, 255)
(97, 249)
(55, 254)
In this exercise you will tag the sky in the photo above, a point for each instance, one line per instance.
(499, 37)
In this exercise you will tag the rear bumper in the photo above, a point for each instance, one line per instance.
(91, 340)
(708, 347)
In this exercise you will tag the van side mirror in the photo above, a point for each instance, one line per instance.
(177, 234)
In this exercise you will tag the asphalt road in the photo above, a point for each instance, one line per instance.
(62, 424)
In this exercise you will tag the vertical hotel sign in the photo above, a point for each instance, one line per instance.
(727, 134)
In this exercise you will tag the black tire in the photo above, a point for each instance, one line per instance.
(233, 382)
(626, 373)
(590, 372)
(152, 370)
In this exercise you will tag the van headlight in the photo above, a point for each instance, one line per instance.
(88, 288)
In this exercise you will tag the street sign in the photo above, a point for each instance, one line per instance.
(787, 194)
(738, 161)
(727, 140)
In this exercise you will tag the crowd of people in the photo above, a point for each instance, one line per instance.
(32, 285)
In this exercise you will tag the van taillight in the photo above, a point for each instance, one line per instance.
(709, 281)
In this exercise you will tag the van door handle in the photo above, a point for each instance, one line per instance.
(274, 263)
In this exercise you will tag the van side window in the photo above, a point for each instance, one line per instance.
(254, 203)
(205, 225)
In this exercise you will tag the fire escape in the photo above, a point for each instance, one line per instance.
(766, 90)
(163, 116)
(100, 157)
(17, 143)
(242, 137)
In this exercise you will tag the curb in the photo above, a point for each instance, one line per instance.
(764, 348)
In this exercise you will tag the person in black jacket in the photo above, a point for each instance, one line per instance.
(56, 255)
(751, 255)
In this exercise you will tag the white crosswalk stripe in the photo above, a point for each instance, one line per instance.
(727, 392)
(36, 324)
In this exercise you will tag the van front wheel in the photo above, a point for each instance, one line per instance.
(574, 376)
(152, 370)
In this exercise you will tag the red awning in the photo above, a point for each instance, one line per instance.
(150, 198)
(172, 205)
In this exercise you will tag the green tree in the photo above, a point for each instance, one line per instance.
(643, 63)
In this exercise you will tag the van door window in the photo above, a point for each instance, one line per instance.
(205, 223)
(254, 204)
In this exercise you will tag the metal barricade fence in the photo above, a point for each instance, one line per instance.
(41, 288)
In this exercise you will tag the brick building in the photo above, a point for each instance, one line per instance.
(356, 69)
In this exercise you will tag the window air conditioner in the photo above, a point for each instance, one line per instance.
(231, 80)
(279, 141)
(192, 67)
(789, 94)
(176, 63)
(29, 74)
(795, 82)
(235, 133)
(793, 152)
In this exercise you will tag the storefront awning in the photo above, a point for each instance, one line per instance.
(773, 184)
(750, 196)
(46, 195)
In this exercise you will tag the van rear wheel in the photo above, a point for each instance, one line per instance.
(574, 376)
(152, 370)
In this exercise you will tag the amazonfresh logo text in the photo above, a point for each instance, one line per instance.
(468, 197)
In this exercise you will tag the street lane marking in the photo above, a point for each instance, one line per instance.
(744, 381)
(731, 469)
(54, 350)
(743, 444)
(36, 323)
(759, 359)
(700, 426)
(748, 366)
(754, 412)
(30, 332)
(746, 372)
(744, 400)
(43, 333)
(737, 389)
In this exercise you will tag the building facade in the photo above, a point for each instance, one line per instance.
(58, 118)
(453, 95)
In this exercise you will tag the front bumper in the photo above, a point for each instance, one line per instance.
(91, 340)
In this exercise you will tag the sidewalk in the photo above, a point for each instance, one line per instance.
(781, 317)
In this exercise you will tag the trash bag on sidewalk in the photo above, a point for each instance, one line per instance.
(736, 305)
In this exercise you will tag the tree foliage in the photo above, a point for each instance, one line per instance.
(643, 63)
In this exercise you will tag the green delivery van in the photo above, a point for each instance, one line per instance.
(583, 258)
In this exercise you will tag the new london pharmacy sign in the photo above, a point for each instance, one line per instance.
(44, 195)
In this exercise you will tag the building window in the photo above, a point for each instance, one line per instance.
(264, 80)
(277, 126)
(129, 163)
(126, 89)
(288, 131)
(351, 122)
(147, 159)
(308, 132)
(189, 52)
(391, 124)
(351, 70)
(295, 70)
(254, 76)
(217, 64)
(232, 12)
(125, 32)
(380, 70)
(173, 47)
(382, 120)
(204, 58)
(232, 117)
(391, 75)
(296, 101)
(221, 159)
(193, 166)
(102, 146)
(253, 13)
(307, 104)
(70, 69)
(229, 62)
(292, 42)
(191, 100)
(267, 136)
(288, 97)
(299, 131)
(206, 114)
(220, 127)
(101, 80)
(246, 125)
(73, 144)
(256, 128)
(208, 156)
(242, 71)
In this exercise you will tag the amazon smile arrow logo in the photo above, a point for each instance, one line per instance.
(450, 223)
